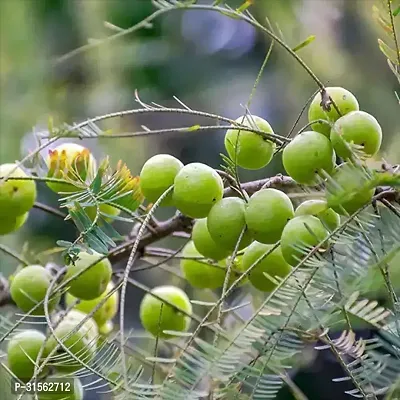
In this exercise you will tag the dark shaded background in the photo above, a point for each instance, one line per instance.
(207, 60)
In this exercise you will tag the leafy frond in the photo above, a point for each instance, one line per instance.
(386, 14)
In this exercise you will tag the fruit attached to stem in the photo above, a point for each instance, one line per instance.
(344, 100)
(91, 283)
(308, 156)
(28, 288)
(157, 316)
(320, 209)
(300, 235)
(249, 149)
(267, 213)
(16, 196)
(23, 351)
(356, 131)
(226, 221)
(157, 175)
(272, 264)
(197, 187)
(205, 244)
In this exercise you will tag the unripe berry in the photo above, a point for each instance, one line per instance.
(358, 128)
(344, 100)
(16, 196)
(72, 161)
(157, 175)
(199, 273)
(273, 264)
(157, 316)
(62, 391)
(267, 213)
(320, 209)
(106, 328)
(197, 187)
(307, 155)
(300, 234)
(205, 244)
(106, 312)
(250, 150)
(12, 223)
(81, 342)
(103, 209)
(23, 351)
(349, 189)
(226, 221)
(29, 287)
(91, 283)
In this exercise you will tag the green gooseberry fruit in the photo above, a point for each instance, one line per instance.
(349, 189)
(205, 244)
(344, 100)
(356, 128)
(91, 283)
(106, 328)
(23, 351)
(157, 175)
(12, 223)
(81, 342)
(65, 388)
(299, 235)
(104, 209)
(29, 287)
(197, 187)
(307, 155)
(267, 213)
(106, 312)
(250, 150)
(70, 160)
(273, 264)
(157, 316)
(226, 221)
(200, 273)
(16, 196)
(320, 209)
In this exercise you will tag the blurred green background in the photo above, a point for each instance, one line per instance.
(207, 60)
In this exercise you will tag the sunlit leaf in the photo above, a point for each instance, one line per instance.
(305, 43)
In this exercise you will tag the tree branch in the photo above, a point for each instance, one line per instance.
(182, 225)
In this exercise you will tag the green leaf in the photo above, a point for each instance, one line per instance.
(388, 52)
(109, 230)
(194, 128)
(306, 42)
(63, 243)
(244, 6)
(396, 12)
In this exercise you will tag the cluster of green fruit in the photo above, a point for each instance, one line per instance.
(268, 216)
(85, 293)
(29, 347)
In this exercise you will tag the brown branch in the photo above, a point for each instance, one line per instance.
(183, 225)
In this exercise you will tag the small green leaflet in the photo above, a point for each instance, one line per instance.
(244, 6)
(396, 12)
(306, 42)
(388, 52)
(194, 128)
